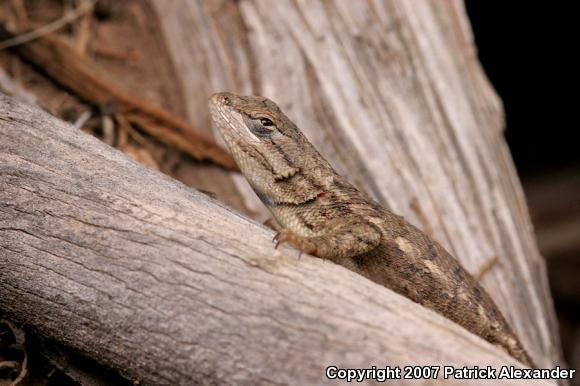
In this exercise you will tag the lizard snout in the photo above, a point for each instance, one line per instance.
(222, 98)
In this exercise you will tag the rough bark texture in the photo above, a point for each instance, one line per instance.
(168, 286)
(391, 92)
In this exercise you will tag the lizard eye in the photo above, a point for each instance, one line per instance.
(260, 126)
(266, 122)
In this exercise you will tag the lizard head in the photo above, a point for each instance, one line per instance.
(262, 140)
(275, 157)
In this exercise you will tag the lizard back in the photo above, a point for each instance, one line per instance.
(326, 216)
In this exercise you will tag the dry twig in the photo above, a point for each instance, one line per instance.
(47, 28)
(85, 78)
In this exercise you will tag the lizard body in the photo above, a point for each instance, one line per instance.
(324, 215)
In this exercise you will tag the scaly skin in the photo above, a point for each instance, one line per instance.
(324, 215)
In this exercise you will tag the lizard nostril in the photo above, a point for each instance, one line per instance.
(227, 101)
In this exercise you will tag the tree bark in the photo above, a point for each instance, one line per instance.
(168, 286)
(392, 94)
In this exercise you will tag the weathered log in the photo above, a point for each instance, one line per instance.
(168, 286)
(392, 94)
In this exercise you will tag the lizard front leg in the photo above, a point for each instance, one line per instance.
(345, 240)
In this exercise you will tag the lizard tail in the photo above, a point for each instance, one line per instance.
(509, 343)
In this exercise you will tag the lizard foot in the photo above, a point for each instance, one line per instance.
(286, 236)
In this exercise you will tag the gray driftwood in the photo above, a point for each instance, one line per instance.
(392, 93)
(168, 286)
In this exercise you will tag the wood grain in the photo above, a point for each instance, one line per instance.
(168, 286)
(392, 94)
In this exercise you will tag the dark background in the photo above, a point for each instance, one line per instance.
(528, 52)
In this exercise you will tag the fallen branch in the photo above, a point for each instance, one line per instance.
(166, 286)
(59, 60)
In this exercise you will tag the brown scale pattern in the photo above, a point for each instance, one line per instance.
(323, 214)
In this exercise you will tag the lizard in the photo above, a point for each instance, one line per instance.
(324, 215)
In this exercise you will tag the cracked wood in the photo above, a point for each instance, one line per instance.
(324, 215)
(167, 286)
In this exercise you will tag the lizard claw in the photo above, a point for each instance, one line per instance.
(284, 236)
(276, 239)
(289, 237)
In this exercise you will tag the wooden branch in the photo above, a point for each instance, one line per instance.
(79, 73)
(392, 94)
(167, 286)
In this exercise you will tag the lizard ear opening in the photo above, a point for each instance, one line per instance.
(285, 171)
(279, 161)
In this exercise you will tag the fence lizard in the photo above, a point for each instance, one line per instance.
(324, 215)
